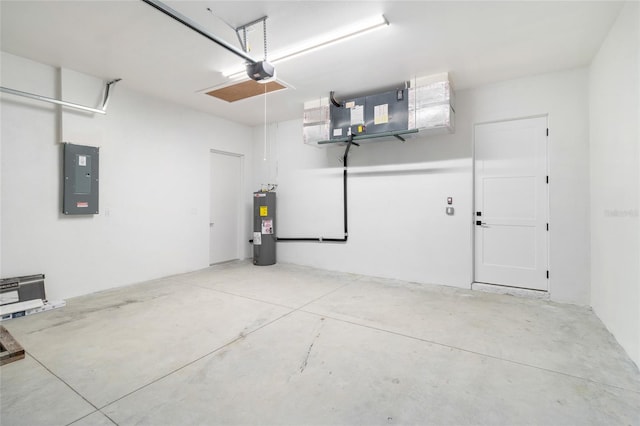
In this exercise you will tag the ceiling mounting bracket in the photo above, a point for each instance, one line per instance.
(101, 110)
(189, 23)
(243, 29)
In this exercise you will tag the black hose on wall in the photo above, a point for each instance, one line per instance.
(345, 164)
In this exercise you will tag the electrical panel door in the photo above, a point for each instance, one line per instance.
(80, 179)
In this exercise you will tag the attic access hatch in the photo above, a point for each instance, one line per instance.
(245, 89)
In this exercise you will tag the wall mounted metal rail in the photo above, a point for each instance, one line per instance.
(395, 133)
(101, 110)
(172, 13)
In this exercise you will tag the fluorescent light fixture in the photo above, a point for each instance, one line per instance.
(310, 45)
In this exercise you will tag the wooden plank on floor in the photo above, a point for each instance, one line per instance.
(10, 349)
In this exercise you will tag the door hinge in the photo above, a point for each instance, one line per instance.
(547, 179)
(547, 274)
(547, 131)
(547, 226)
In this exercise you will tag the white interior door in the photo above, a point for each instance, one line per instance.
(224, 207)
(511, 203)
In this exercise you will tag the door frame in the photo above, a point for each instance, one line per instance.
(473, 206)
(241, 211)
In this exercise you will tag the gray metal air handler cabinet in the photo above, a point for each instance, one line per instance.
(425, 106)
(264, 228)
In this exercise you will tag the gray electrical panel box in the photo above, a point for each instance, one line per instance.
(80, 194)
(264, 228)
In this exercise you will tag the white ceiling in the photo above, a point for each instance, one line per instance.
(477, 42)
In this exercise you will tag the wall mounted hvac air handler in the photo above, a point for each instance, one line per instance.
(425, 105)
(264, 228)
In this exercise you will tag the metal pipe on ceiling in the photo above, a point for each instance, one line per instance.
(199, 29)
(102, 110)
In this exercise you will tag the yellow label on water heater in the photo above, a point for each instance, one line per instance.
(264, 211)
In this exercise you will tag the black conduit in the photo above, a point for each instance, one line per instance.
(334, 101)
(344, 195)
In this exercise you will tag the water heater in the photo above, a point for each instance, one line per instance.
(264, 228)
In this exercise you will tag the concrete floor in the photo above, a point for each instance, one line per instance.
(284, 344)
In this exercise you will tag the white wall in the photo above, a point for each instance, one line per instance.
(397, 222)
(615, 181)
(154, 183)
(564, 97)
(397, 191)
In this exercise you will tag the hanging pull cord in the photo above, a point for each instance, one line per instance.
(265, 123)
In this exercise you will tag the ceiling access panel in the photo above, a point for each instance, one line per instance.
(244, 90)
